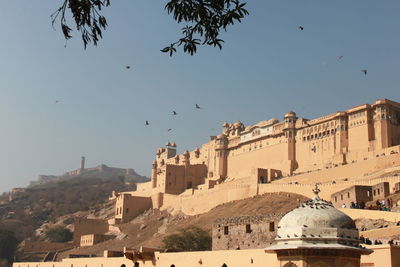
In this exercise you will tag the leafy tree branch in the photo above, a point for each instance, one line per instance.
(204, 19)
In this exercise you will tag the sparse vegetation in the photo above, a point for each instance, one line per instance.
(8, 243)
(59, 234)
(54, 199)
(191, 238)
(68, 221)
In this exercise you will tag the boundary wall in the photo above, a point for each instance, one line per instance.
(193, 202)
(383, 256)
(372, 214)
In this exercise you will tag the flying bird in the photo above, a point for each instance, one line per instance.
(169, 130)
(56, 102)
(339, 57)
(147, 122)
(301, 28)
(364, 71)
(127, 67)
(174, 112)
(197, 106)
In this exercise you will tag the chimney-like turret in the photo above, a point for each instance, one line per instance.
(82, 163)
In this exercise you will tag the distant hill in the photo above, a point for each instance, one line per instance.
(25, 209)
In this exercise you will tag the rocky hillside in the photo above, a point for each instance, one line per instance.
(33, 206)
(151, 227)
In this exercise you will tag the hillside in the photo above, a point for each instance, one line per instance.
(151, 227)
(36, 205)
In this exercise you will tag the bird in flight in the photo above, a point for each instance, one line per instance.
(339, 57)
(127, 67)
(56, 102)
(147, 122)
(301, 28)
(169, 130)
(364, 71)
(197, 106)
(174, 112)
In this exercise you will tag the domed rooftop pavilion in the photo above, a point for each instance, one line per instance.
(316, 231)
(290, 114)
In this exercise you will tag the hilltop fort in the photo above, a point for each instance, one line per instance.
(101, 171)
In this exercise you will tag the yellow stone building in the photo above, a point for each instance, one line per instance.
(245, 161)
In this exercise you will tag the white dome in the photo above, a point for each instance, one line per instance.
(316, 224)
(316, 213)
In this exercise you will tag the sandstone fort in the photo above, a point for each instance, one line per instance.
(337, 150)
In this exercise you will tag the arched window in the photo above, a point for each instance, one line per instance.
(123, 265)
(224, 265)
(172, 265)
(136, 264)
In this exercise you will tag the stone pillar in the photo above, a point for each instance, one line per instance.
(290, 133)
(221, 159)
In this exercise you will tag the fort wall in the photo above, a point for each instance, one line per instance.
(244, 232)
(372, 214)
(88, 226)
(39, 246)
(383, 256)
(193, 202)
(129, 206)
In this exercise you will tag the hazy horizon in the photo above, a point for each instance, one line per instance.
(266, 67)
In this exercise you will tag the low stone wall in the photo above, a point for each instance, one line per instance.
(383, 256)
(372, 214)
(39, 246)
(327, 188)
(244, 232)
(201, 201)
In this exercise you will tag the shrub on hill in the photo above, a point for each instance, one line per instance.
(191, 238)
(8, 243)
(59, 234)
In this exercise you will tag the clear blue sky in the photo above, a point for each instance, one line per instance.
(266, 68)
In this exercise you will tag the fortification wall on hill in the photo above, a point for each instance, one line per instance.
(40, 246)
(200, 201)
(327, 188)
(331, 180)
(372, 214)
(356, 170)
(194, 202)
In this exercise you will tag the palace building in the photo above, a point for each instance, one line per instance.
(267, 151)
